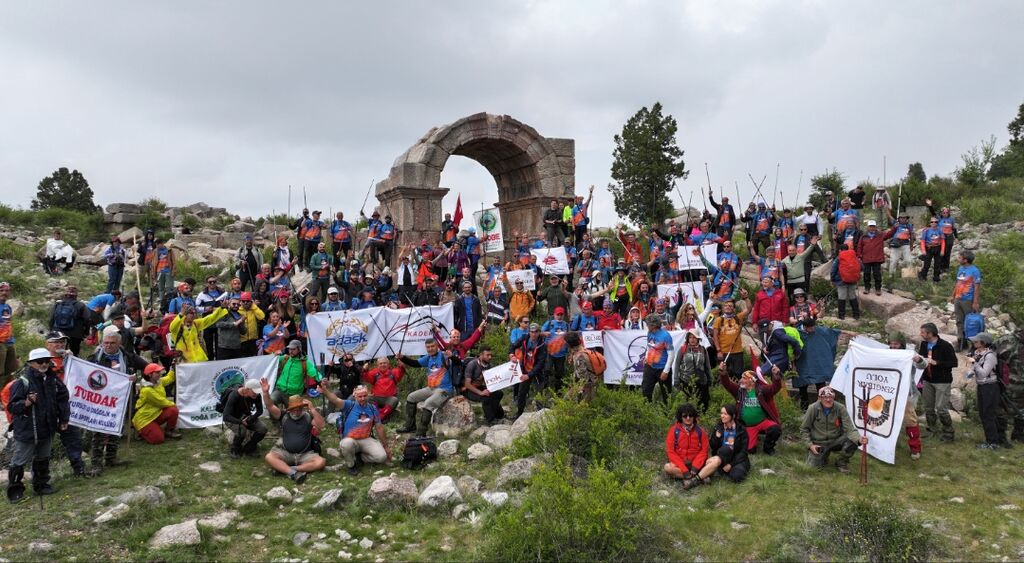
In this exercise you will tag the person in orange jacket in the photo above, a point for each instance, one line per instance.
(686, 445)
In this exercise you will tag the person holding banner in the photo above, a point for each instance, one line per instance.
(727, 335)
(910, 422)
(421, 404)
(71, 437)
(293, 453)
(827, 428)
(358, 422)
(110, 354)
(587, 367)
(153, 409)
(383, 380)
(39, 407)
(475, 389)
(529, 350)
(755, 403)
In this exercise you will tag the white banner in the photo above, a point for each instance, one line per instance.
(99, 396)
(200, 385)
(488, 225)
(885, 377)
(688, 261)
(552, 260)
(362, 333)
(592, 339)
(526, 276)
(624, 350)
(500, 377)
(690, 292)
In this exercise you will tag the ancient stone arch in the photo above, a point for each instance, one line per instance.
(528, 168)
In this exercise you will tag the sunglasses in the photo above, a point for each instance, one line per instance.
(687, 416)
(247, 301)
(524, 322)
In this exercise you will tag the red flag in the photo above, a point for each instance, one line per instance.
(457, 218)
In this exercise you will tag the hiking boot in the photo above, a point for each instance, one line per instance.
(45, 489)
(691, 483)
(117, 462)
(423, 422)
(410, 419)
(78, 470)
(867, 290)
(987, 446)
(299, 477)
(948, 438)
(878, 292)
(173, 434)
(354, 470)
(843, 468)
(1006, 445)
(915, 456)
(235, 454)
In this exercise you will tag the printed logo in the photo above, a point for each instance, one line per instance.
(97, 380)
(227, 378)
(347, 336)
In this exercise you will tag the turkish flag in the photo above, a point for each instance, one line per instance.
(457, 218)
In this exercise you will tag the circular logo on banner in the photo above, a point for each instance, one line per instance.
(347, 336)
(488, 221)
(637, 352)
(227, 378)
(97, 380)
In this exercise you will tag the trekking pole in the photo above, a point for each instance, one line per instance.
(796, 203)
(138, 272)
(775, 191)
(35, 446)
(367, 198)
(289, 202)
(864, 447)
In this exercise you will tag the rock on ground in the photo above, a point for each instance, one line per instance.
(40, 547)
(526, 422)
(114, 513)
(392, 489)
(219, 521)
(499, 436)
(300, 538)
(329, 500)
(246, 500)
(886, 305)
(440, 491)
(459, 510)
(478, 451)
(184, 533)
(518, 471)
(448, 448)
(211, 466)
(143, 494)
(497, 498)
(279, 493)
(454, 418)
(470, 484)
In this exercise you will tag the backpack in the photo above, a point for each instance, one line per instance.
(166, 343)
(597, 362)
(849, 267)
(223, 400)
(418, 452)
(64, 315)
(973, 324)
(679, 431)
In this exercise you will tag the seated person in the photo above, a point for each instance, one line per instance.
(153, 409)
(357, 423)
(686, 445)
(729, 446)
(383, 380)
(474, 389)
(827, 428)
(293, 453)
(421, 404)
(242, 411)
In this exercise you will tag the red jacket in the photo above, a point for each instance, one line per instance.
(464, 346)
(690, 451)
(774, 308)
(765, 394)
(871, 250)
(384, 381)
(608, 321)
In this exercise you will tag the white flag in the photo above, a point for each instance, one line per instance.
(500, 377)
(687, 261)
(526, 276)
(98, 396)
(201, 384)
(488, 224)
(552, 260)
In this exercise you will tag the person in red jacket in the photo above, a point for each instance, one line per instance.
(755, 403)
(871, 251)
(770, 304)
(686, 445)
(608, 318)
(383, 380)
(455, 343)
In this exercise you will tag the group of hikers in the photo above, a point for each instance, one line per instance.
(261, 312)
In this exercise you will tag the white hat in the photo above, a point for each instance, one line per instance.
(331, 290)
(253, 385)
(872, 223)
(39, 354)
(111, 329)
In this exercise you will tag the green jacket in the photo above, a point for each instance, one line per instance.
(290, 379)
(817, 428)
(795, 265)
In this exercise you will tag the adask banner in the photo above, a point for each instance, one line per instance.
(375, 332)
(99, 396)
(488, 224)
(552, 260)
(200, 386)
(876, 382)
(687, 261)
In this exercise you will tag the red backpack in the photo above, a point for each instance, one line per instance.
(165, 340)
(849, 267)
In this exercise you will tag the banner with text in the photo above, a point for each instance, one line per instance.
(488, 224)
(592, 338)
(408, 330)
(99, 396)
(500, 377)
(552, 260)
(876, 382)
(200, 386)
(689, 256)
(625, 350)
(526, 276)
(362, 333)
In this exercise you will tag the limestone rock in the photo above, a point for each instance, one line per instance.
(448, 448)
(459, 510)
(470, 484)
(300, 538)
(518, 471)
(478, 451)
(127, 236)
(246, 500)
(210, 466)
(143, 494)
(454, 418)
(527, 421)
(440, 491)
(114, 208)
(184, 533)
(329, 499)
(499, 436)
(40, 547)
(219, 521)
(279, 493)
(496, 498)
(240, 227)
(112, 514)
(956, 399)
(886, 305)
(392, 489)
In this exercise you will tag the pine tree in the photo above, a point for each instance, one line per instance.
(66, 190)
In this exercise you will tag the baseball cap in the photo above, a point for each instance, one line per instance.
(799, 291)
(295, 344)
(150, 369)
(245, 296)
(55, 336)
(331, 290)
(253, 385)
(872, 223)
(39, 354)
(983, 337)
(559, 310)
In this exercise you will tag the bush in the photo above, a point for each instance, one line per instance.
(152, 216)
(79, 228)
(998, 209)
(1002, 277)
(601, 516)
(869, 530)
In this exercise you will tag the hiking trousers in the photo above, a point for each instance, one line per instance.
(936, 407)
(843, 446)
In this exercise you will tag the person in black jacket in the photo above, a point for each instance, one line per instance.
(467, 309)
(937, 358)
(428, 295)
(728, 450)
(39, 406)
(72, 317)
(242, 411)
(110, 354)
(348, 372)
(532, 355)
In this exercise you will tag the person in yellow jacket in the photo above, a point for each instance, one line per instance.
(186, 332)
(251, 327)
(156, 416)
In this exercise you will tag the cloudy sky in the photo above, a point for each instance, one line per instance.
(230, 102)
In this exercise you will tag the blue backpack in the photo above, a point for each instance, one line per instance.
(973, 324)
(64, 315)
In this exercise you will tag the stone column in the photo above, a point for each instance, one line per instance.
(415, 211)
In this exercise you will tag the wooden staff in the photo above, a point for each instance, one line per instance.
(864, 447)
(138, 274)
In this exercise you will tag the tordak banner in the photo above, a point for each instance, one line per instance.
(99, 396)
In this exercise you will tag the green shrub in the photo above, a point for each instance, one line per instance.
(11, 251)
(871, 530)
(152, 216)
(79, 228)
(185, 267)
(997, 209)
(1002, 277)
(602, 516)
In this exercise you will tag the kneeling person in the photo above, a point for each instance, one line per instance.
(293, 453)
(156, 416)
(358, 421)
(242, 411)
(827, 428)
